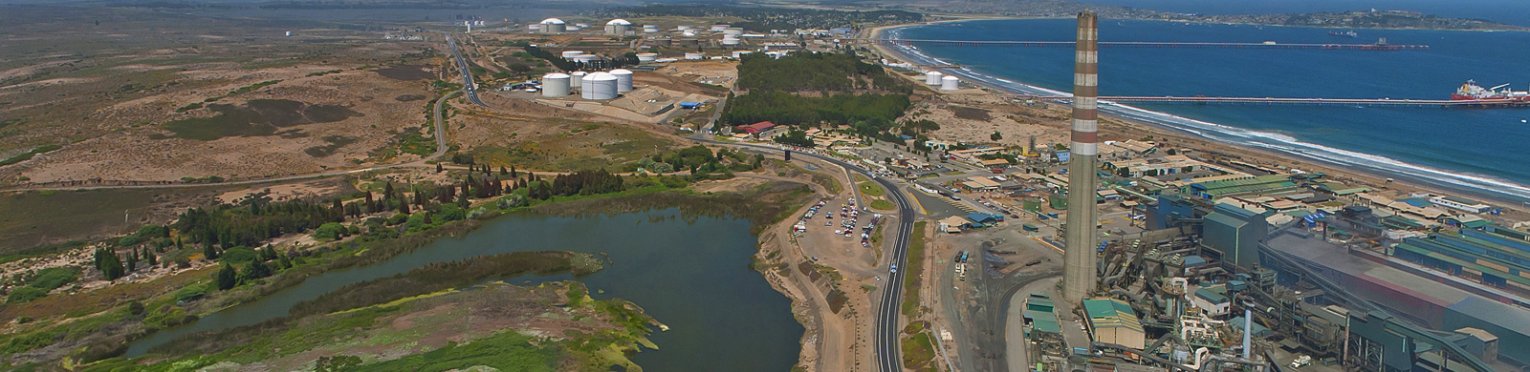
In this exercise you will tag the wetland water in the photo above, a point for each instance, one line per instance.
(689, 272)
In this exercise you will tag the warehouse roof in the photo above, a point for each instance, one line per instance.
(1105, 313)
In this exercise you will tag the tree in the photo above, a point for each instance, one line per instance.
(256, 270)
(227, 278)
(329, 231)
(995, 136)
(209, 252)
(439, 169)
(110, 264)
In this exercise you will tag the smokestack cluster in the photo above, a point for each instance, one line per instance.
(1078, 260)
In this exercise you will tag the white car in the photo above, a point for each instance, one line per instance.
(894, 268)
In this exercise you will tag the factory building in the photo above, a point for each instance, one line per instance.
(1041, 323)
(1235, 234)
(1113, 321)
(1213, 300)
(1173, 210)
(1269, 184)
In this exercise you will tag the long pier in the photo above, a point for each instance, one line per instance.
(1483, 103)
(1379, 46)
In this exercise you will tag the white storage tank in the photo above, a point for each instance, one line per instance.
(576, 79)
(729, 40)
(650, 29)
(554, 26)
(949, 83)
(599, 85)
(555, 84)
(719, 27)
(571, 53)
(932, 78)
(647, 57)
(733, 32)
(694, 56)
(623, 80)
(618, 27)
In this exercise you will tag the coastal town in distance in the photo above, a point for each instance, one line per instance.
(710, 185)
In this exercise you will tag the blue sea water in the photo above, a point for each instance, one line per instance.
(1484, 151)
(1514, 12)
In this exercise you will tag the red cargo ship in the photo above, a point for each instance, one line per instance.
(1470, 91)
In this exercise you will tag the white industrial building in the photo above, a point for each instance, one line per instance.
(950, 83)
(599, 86)
(623, 80)
(555, 84)
(554, 26)
(618, 27)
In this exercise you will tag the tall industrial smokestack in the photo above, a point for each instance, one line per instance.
(1078, 261)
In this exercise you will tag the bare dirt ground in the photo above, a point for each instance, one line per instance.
(822, 273)
(972, 116)
(109, 109)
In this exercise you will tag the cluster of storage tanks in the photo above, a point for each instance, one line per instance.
(934, 78)
(593, 86)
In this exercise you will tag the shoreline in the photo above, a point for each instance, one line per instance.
(1366, 173)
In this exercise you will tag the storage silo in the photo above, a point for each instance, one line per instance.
(949, 83)
(554, 26)
(695, 56)
(647, 57)
(576, 79)
(623, 80)
(932, 78)
(618, 27)
(599, 85)
(555, 84)
(730, 40)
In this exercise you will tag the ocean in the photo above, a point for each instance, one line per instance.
(1514, 12)
(1477, 151)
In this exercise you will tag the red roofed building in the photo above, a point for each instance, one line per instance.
(756, 128)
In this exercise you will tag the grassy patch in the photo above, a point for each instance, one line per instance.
(29, 154)
(331, 144)
(914, 273)
(506, 351)
(871, 189)
(919, 352)
(883, 204)
(45, 218)
(261, 117)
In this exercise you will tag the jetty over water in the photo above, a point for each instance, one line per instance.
(1485, 103)
(1379, 46)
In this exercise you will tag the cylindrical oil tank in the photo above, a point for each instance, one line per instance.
(647, 57)
(599, 85)
(695, 56)
(949, 83)
(650, 29)
(618, 27)
(623, 80)
(555, 84)
(576, 79)
(571, 53)
(729, 40)
(932, 78)
(732, 32)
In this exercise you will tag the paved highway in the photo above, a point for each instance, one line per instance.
(468, 87)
